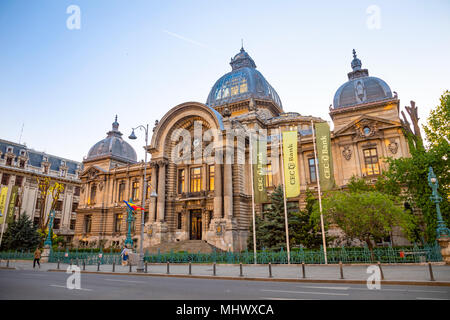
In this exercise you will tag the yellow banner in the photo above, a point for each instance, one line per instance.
(290, 159)
(3, 194)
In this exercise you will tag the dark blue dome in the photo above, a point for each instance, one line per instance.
(114, 146)
(360, 88)
(243, 82)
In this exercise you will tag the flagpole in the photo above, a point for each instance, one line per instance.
(253, 200)
(284, 200)
(320, 195)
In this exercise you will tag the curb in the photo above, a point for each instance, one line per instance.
(337, 281)
(7, 268)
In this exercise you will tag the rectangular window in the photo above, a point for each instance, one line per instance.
(19, 180)
(9, 161)
(312, 170)
(179, 222)
(93, 194)
(117, 222)
(5, 179)
(269, 176)
(196, 179)
(77, 191)
(211, 169)
(371, 161)
(181, 181)
(74, 206)
(59, 205)
(87, 223)
(56, 223)
(121, 191)
(22, 164)
(135, 191)
(146, 215)
(149, 187)
(72, 224)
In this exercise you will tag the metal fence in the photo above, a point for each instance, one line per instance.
(413, 254)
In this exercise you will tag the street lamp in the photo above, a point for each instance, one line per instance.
(441, 230)
(132, 136)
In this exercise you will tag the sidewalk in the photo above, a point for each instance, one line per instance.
(327, 273)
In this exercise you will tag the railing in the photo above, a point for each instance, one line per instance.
(414, 254)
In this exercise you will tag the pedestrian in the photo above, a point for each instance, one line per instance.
(124, 255)
(37, 257)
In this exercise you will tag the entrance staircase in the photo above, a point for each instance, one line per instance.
(191, 246)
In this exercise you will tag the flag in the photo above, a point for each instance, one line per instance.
(3, 194)
(132, 206)
(259, 166)
(291, 178)
(325, 160)
(12, 204)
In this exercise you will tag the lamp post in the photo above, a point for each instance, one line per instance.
(132, 136)
(441, 230)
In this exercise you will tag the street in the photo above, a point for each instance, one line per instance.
(33, 284)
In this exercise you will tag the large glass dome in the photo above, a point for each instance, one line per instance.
(243, 82)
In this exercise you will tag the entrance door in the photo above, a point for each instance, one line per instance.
(196, 225)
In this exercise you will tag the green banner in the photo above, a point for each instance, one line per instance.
(3, 194)
(12, 203)
(259, 171)
(323, 141)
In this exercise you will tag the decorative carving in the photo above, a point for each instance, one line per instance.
(393, 147)
(347, 153)
(251, 105)
(100, 186)
(226, 112)
(365, 128)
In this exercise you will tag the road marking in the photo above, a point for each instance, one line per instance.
(304, 292)
(125, 281)
(271, 298)
(414, 290)
(54, 285)
(329, 288)
(419, 298)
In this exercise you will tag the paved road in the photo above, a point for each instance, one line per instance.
(33, 284)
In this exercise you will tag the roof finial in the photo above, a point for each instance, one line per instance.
(354, 54)
(116, 117)
(242, 44)
(356, 63)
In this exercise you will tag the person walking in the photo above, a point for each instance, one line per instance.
(124, 255)
(37, 257)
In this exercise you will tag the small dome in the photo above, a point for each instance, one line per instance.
(360, 88)
(113, 146)
(243, 82)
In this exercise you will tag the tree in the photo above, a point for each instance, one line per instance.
(21, 235)
(366, 215)
(412, 172)
(271, 229)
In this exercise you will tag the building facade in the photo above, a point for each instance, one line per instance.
(21, 167)
(200, 159)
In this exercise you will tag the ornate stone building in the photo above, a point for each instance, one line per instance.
(201, 198)
(20, 166)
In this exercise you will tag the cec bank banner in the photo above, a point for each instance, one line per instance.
(3, 193)
(323, 142)
(259, 171)
(12, 204)
(291, 177)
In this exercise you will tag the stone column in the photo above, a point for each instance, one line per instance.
(152, 207)
(161, 189)
(218, 191)
(228, 190)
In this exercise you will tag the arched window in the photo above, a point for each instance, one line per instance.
(93, 194)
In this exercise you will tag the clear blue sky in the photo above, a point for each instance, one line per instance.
(138, 59)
